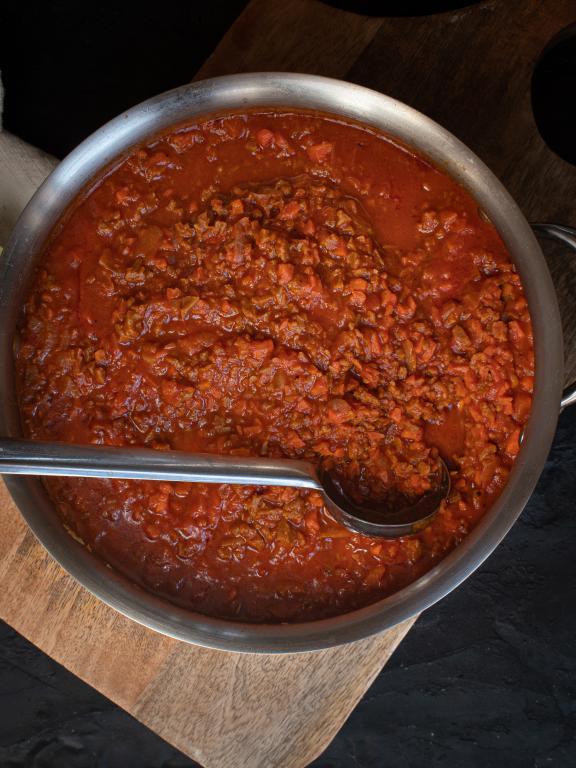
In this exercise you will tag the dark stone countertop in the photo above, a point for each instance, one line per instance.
(486, 678)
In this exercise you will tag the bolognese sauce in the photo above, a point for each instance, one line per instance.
(276, 284)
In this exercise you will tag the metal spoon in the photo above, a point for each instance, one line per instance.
(28, 457)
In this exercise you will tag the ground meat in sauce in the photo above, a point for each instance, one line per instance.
(277, 285)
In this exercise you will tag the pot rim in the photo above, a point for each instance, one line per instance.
(300, 91)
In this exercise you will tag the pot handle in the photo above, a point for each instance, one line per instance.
(566, 235)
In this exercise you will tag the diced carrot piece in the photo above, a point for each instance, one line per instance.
(122, 195)
(152, 530)
(374, 576)
(513, 443)
(314, 284)
(293, 440)
(370, 375)
(319, 388)
(285, 273)
(261, 349)
(290, 210)
(339, 411)
(308, 227)
(412, 432)
(516, 332)
(396, 415)
(376, 347)
(159, 503)
(406, 310)
(264, 137)
(169, 390)
(319, 152)
(236, 207)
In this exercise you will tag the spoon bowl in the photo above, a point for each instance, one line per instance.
(402, 517)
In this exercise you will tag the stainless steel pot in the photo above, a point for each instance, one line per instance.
(300, 91)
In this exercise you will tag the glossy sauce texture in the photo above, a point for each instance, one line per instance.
(277, 284)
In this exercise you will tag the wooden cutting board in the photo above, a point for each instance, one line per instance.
(471, 71)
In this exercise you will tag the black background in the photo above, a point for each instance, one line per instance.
(486, 678)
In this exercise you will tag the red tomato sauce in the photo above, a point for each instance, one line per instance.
(276, 284)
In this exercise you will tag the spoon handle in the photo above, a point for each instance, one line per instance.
(29, 457)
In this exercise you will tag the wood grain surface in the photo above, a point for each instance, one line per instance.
(470, 70)
(222, 709)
